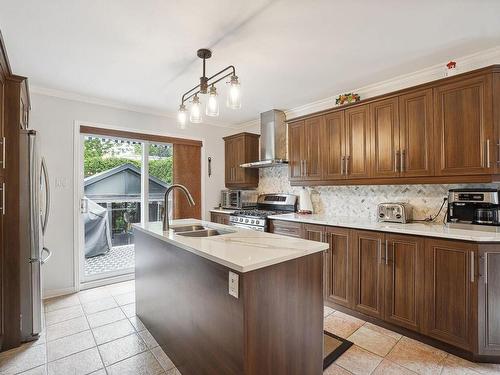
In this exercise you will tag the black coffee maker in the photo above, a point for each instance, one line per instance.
(473, 206)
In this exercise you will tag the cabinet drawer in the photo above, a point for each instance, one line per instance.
(286, 228)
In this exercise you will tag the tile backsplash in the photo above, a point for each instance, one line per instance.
(362, 200)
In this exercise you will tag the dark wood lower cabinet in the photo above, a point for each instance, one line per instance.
(489, 300)
(368, 273)
(404, 274)
(446, 290)
(219, 218)
(450, 285)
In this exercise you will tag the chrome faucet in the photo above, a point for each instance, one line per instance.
(166, 224)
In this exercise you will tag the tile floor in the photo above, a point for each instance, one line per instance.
(96, 332)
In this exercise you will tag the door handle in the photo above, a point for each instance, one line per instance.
(84, 205)
(49, 254)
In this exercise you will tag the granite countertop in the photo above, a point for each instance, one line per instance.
(242, 250)
(419, 229)
(222, 210)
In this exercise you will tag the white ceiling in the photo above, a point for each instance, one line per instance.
(287, 53)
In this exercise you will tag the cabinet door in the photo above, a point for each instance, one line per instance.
(286, 228)
(463, 127)
(229, 160)
(489, 300)
(2, 134)
(338, 276)
(404, 278)
(357, 142)
(368, 273)
(415, 134)
(238, 145)
(385, 153)
(449, 291)
(312, 148)
(296, 139)
(334, 146)
(313, 232)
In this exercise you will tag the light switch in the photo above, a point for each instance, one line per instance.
(233, 284)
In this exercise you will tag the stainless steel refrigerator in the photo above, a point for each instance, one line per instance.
(34, 215)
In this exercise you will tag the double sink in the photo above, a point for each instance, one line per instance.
(198, 231)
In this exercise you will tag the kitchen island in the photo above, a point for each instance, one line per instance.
(242, 302)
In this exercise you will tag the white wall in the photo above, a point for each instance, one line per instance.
(54, 118)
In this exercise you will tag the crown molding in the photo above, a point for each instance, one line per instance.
(61, 94)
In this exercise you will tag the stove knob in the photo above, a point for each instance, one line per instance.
(398, 216)
(381, 215)
(241, 220)
(246, 220)
(252, 221)
(257, 222)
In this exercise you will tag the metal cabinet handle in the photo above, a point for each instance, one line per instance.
(380, 251)
(498, 151)
(4, 162)
(3, 198)
(347, 164)
(402, 161)
(342, 165)
(488, 164)
(472, 270)
(396, 157)
(305, 167)
(486, 268)
(386, 252)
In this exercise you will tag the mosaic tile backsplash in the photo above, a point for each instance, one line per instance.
(362, 200)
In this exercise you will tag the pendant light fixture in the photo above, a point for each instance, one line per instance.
(212, 105)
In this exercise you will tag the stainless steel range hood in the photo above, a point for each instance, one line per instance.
(272, 141)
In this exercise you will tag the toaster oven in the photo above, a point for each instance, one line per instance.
(238, 199)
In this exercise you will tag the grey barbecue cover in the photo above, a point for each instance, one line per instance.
(97, 233)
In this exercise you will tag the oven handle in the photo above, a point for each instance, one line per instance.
(244, 226)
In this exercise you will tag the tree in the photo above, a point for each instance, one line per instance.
(96, 147)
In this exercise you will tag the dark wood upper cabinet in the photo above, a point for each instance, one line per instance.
(239, 149)
(357, 121)
(296, 153)
(450, 289)
(334, 146)
(313, 148)
(489, 300)
(404, 275)
(415, 134)
(464, 126)
(368, 273)
(338, 262)
(385, 150)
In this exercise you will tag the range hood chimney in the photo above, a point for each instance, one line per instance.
(272, 140)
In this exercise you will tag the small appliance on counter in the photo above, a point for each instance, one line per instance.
(238, 199)
(267, 205)
(473, 206)
(394, 212)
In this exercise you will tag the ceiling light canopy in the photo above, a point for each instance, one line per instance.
(212, 106)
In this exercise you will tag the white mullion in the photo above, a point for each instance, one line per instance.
(145, 183)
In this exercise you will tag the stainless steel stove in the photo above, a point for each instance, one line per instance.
(267, 205)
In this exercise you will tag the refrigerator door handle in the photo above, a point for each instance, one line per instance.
(47, 196)
(49, 254)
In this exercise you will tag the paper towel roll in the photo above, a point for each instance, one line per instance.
(305, 203)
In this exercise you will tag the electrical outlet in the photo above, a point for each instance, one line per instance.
(233, 284)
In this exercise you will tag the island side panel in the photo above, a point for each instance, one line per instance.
(284, 318)
(183, 300)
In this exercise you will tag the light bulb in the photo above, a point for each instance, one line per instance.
(195, 115)
(182, 116)
(234, 95)
(212, 103)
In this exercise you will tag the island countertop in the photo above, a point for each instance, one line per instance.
(243, 250)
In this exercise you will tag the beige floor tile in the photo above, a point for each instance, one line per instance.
(141, 364)
(113, 331)
(452, 362)
(349, 318)
(418, 357)
(122, 288)
(125, 299)
(105, 317)
(129, 310)
(121, 349)
(95, 294)
(69, 345)
(61, 315)
(338, 326)
(148, 338)
(21, 359)
(373, 341)
(99, 372)
(81, 363)
(137, 323)
(57, 303)
(387, 367)
(161, 357)
(99, 305)
(66, 328)
(387, 332)
(333, 369)
(40, 370)
(327, 311)
(359, 361)
(173, 371)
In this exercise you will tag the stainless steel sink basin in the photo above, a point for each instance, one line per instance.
(187, 228)
(205, 233)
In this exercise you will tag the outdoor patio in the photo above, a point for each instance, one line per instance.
(119, 258)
